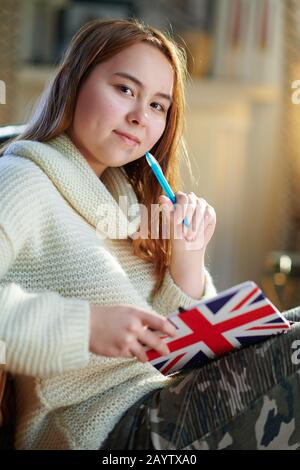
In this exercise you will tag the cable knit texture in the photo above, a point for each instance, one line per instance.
(58, 255)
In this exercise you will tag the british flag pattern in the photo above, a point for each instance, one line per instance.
(236, 317)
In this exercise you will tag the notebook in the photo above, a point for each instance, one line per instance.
(233, 319)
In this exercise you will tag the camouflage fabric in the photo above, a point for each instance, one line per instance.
(248, 399)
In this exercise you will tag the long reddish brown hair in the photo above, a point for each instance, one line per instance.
(96, 42)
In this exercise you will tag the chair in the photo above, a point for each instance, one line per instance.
(9, 132)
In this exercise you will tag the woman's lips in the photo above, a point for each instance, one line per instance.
(127, 140)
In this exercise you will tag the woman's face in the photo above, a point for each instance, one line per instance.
(110, 102)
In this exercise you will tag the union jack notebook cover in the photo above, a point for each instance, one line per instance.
(234, 318)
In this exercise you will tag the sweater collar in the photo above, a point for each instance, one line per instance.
(104, 203)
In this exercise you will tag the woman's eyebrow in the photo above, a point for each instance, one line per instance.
(140, 84)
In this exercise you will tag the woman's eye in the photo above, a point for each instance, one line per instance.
(124, 87)
(162, 108)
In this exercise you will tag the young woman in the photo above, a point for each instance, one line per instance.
(81, 290)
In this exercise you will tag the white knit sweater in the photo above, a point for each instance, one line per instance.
(53, 265)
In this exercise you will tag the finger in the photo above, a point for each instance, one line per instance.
(206, 225)
(157, 322)
(180, 207)
(170, 225)
(139, 352)
(165, 200)
(153, 341)
(123, 353)
(197, 226)
(210, 216)
(167, 209)
(191, 207)
(210, 223)
(200, 214)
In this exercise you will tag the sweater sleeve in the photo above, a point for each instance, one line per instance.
(170, 296)
(44, 334)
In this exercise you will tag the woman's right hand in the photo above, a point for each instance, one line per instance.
(122, 330)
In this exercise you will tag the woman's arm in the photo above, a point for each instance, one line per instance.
(189, 272)
(187, 280)
(171, 296)
(44, 334)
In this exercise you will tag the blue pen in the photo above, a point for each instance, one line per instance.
(156, 168)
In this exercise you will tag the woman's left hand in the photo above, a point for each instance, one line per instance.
(188, 244)
(200, 215)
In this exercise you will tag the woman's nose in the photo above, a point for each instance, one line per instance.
(138, 115)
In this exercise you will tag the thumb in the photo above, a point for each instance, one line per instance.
(164, 200)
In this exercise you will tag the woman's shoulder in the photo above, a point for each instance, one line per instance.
(18, 174)
(27, 198)
(25, 190)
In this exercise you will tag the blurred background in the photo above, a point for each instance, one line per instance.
(242, 123)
